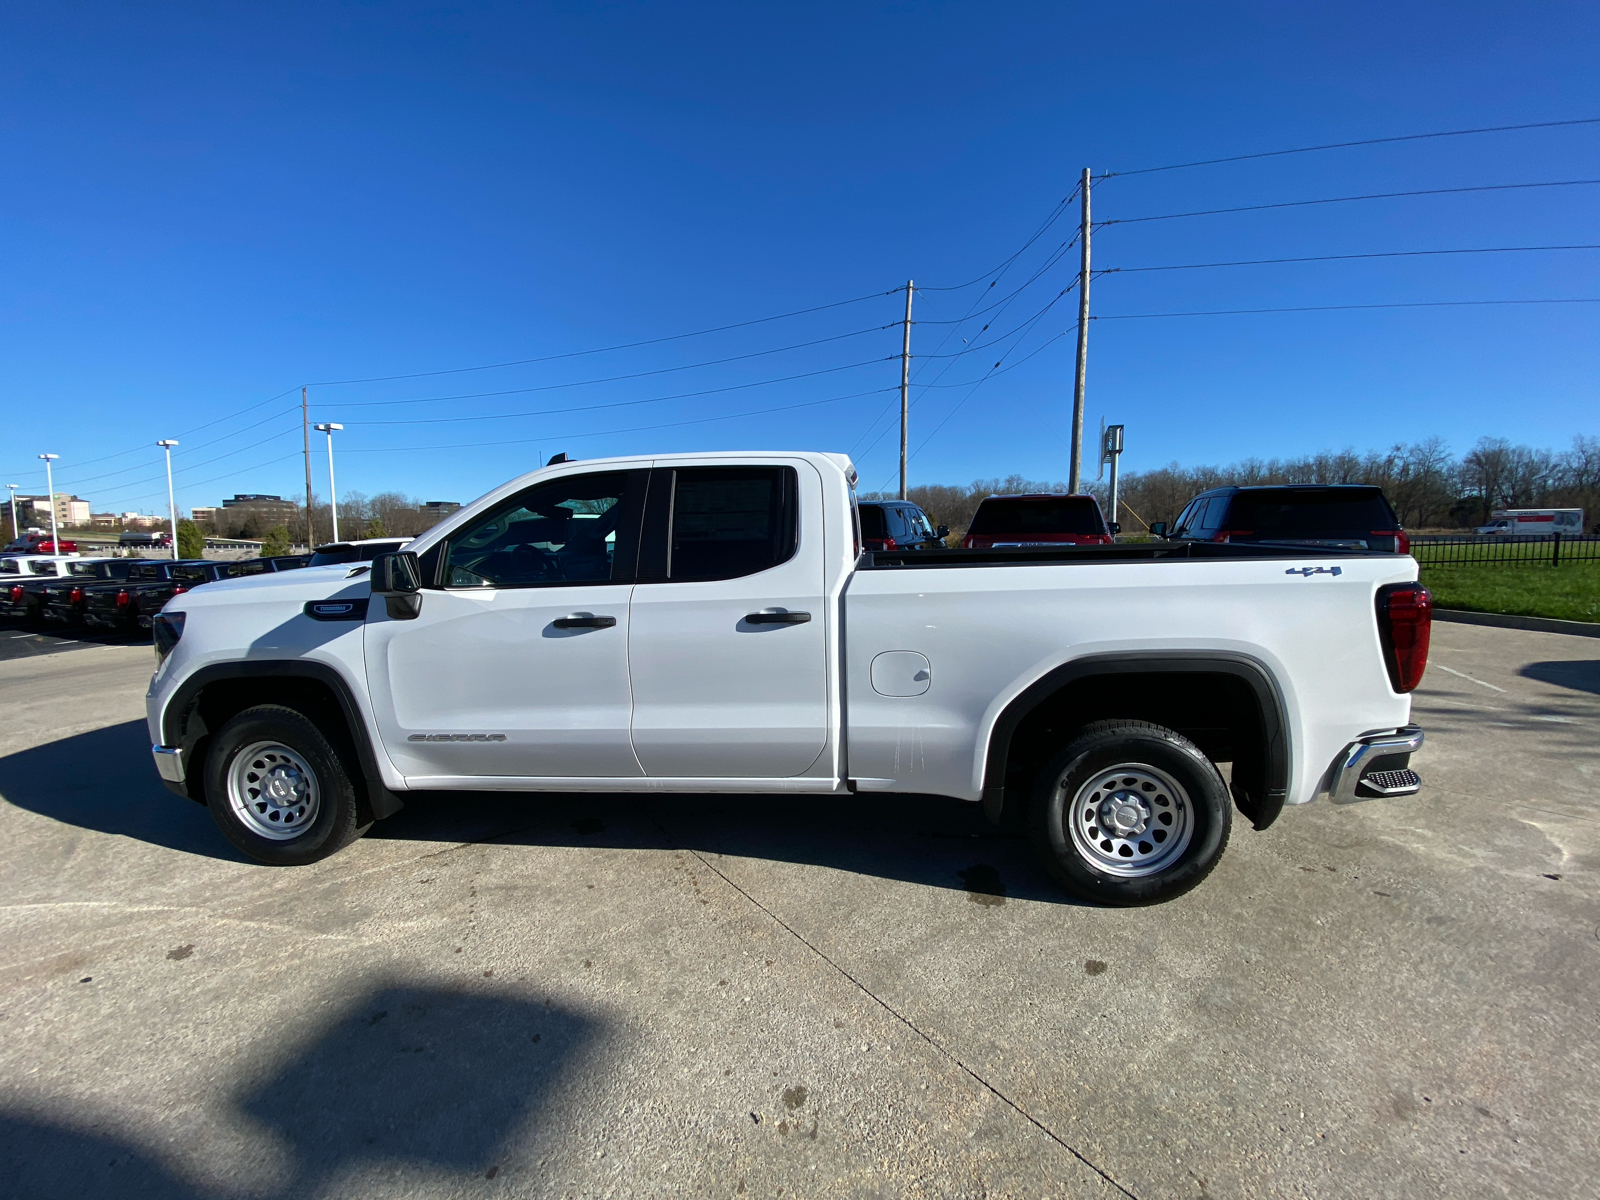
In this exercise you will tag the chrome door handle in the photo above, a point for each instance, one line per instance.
(773, 616)
(584, 621)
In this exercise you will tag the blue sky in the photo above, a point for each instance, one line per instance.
(206, 206)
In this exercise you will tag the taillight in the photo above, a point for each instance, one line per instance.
(122, 599)
(16, 593)
(1405, 622)
(1402, 542)
(179, 590)
(76, 595)
(1229, 534)
(882, 544)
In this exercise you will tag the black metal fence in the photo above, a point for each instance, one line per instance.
(1552, 550)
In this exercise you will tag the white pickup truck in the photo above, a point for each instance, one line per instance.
(708, 623)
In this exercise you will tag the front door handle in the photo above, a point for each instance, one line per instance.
(583, 621)
(775, 616)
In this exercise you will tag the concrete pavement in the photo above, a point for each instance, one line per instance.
(554, 996)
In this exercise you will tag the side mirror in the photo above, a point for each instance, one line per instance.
(397, 577)
(1159, 529)
(1115, 527)
(942, 532)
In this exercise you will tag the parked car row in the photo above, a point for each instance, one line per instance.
(118, 594)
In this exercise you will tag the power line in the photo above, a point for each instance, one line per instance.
(89, 462)
(225, 475)
(1258, 262)
(1211, 212)
(204, 462)
(1055, 215)
(1230, 312)
(611, 432)
(1409, 137)
(676, 337)
(734, 387)
(190, 449)
(554, 387)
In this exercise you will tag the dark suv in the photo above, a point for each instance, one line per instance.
(1046, 519)
(1355, 516)
(898, 525)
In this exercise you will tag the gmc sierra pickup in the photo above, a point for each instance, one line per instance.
(709, 622)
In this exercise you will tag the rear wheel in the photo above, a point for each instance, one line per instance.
(278, 790)
(1129, 813)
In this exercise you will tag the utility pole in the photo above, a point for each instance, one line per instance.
(50, 486)
(15, 532)
(1075, 474)
(905, 392)
(333, 488)
(305, 428)
(172, 505)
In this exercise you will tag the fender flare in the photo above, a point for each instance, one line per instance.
(1253, 673)
(382, 801)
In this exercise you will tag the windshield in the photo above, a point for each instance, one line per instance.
(1293, 512)
(1002, 516)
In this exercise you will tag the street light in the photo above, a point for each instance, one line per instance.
(333, 494)
(15, 532)
(172, 506)
(50, 486)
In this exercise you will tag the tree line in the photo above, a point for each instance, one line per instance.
(1429, 487)
(386, 514)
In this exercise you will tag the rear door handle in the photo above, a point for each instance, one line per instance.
(773, 616)
(584, 621)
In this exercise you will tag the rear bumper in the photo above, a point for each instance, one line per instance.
(1376, 766)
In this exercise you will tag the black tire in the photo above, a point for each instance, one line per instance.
(297, 755)
(1137, 857)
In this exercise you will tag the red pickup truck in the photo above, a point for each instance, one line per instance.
(1041, 520)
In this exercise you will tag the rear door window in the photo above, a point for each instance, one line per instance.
(720, 522)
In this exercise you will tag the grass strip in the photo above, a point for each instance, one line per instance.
(1570, 592)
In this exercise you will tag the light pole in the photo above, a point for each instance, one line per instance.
(333, 493)
(15, 532)
(172, 505)
(50, 486)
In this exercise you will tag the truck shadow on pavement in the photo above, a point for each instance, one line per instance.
(403, 1084)
(1578, 675)
(103, 780)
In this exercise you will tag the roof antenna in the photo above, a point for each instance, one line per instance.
(559, 458)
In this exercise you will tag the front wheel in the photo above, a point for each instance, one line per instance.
(278, 790)
(1129, 813)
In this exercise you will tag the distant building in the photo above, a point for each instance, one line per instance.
(70, 511)
(275, 510)
(204, 516)
(103, 520)
(440, 509)
(133, 520)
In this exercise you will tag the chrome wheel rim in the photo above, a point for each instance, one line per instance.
(273, 791)
(1130, 820)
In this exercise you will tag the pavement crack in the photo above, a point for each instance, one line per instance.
(914, 1028)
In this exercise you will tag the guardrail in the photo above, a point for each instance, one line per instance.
(1551, 550)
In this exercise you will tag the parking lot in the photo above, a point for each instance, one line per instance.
(551, 996)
